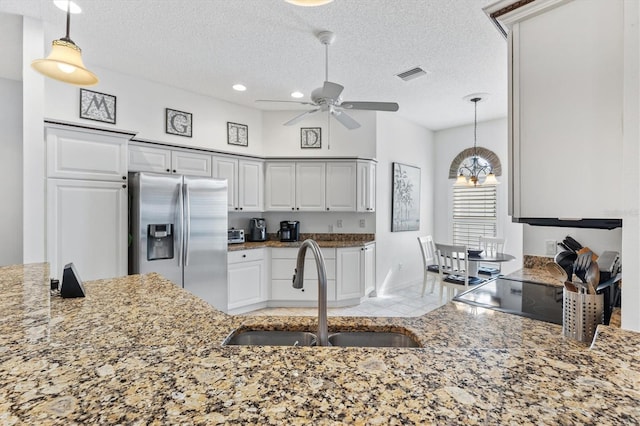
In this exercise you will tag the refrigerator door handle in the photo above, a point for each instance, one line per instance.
(188, 227)
(181, 209)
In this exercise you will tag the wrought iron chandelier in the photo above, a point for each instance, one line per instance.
(470, 174)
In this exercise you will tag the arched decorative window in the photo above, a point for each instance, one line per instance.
(474, 208)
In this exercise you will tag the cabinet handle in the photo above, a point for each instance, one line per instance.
(293, 208)
(302, 289)
(174, 171)
(124, 177)
(244, 255)
(235, 208)
(297, 208)
(327, 208)
(168, 170)
(124, 186)
(240, 208)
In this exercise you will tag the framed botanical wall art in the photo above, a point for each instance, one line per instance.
(405, 198)
(178, 123)
(311, 137)
(237, 134)
(97, 106)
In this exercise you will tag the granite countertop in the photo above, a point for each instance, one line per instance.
(323, 240)
(138, 349)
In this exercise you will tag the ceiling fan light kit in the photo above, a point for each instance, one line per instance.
(64, 63)
(328, 97)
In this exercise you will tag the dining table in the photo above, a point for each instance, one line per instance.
(476, 258)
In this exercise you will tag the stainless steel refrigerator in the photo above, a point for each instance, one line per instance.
(178, 226)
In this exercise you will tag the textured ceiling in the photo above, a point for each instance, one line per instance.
(270, 46)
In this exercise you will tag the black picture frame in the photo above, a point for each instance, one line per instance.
(237, 134)
(178, 122)
(97, 106)
(311, 137)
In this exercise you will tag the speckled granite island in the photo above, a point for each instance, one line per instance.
(139, 350)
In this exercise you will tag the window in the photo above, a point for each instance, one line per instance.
(474, 214)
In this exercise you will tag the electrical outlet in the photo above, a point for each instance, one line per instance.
(550, 247)
(330, 228)
(362, 223)
(399, 266)
(339, 223)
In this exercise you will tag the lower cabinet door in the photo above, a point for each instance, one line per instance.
(87, 225)
(246, 284)
(349, 282)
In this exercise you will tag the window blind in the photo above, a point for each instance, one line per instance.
(474, 214)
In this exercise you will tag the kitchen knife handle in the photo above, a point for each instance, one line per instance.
(187, 202)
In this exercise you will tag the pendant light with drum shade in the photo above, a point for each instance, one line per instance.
(64, 63)
(469, 174)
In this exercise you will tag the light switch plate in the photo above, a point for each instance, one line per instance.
(550, 247)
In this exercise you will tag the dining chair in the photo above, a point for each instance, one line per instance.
(453, 266)
(430, 264)
(491, 246)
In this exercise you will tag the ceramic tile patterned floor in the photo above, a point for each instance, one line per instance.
(403, 301)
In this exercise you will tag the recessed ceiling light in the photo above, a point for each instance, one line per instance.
(297, 94)
(239, 87)
(308, 2)
(62, 5)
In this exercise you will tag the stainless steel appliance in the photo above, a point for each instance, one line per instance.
(235, 236)
(178, 225)
(289, 230)
(257, 229)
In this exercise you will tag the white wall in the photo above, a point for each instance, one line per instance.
(310, 222)
(598, 240)
(11, 166)
(140, 107)
(337, 140)
(448, 144)
(398, 260)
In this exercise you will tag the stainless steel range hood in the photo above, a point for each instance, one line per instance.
(571, 222)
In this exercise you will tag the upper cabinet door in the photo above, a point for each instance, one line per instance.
(250, 185)
(227, 168)
(310, 186)
(147, 159)
(191, 163)
(366, 184)
(83, 154)
(341, 186)
(566, 87)
(280, 188)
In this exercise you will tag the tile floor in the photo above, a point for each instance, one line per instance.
(397, 302)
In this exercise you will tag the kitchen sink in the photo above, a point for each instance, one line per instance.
(271, 338)
(376, 339)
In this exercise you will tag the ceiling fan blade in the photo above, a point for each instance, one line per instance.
(298, 118)
(291, 102)
(331, 90)
(374, 106)
(345, 120)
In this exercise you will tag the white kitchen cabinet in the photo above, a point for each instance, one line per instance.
(247, 280)
(349, 282)
(366, 186)
(565, 118)
(161, 160)
(245, 180)
(310, 186)
(280, 186)
(369, 268)
(341, 186)
(87, 225)
(84, 154)
(86, 218)
(355, 272)
(283, 264)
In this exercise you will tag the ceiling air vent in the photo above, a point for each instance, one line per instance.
(411, 74)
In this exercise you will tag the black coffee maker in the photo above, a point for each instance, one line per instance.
(289, 230)
(257, 229)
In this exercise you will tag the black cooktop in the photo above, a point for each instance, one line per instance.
(526, 298)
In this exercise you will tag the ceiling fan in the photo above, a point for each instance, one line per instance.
(327, 98)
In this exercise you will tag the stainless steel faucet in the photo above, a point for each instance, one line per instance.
(298, 282)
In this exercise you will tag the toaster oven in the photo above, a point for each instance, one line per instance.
(235, 236)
